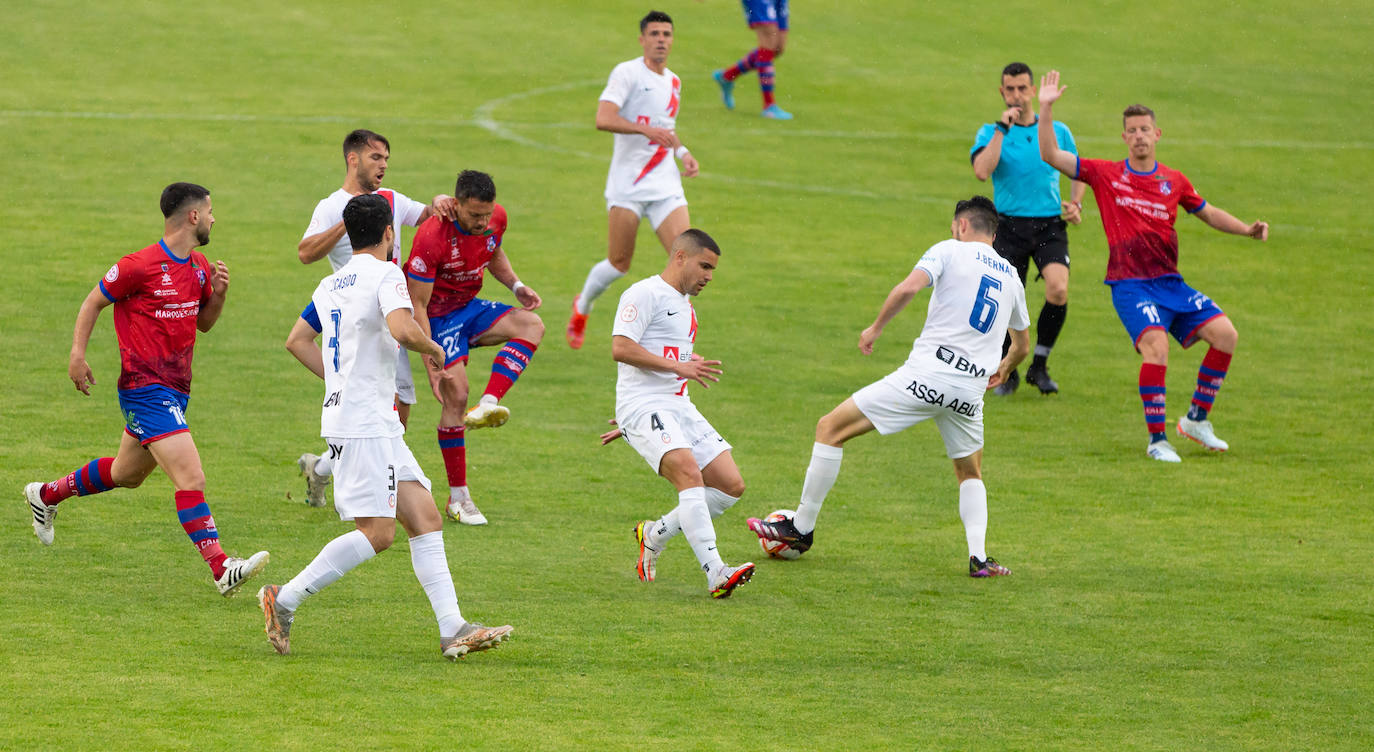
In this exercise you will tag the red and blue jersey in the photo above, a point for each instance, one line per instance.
(453, 260)
(157, 299)
(1138, 213)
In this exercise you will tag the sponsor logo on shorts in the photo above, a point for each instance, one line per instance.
(667, 438)
(391, 501)
(932, 396)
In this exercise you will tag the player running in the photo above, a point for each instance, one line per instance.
(639, 105)
(1139, 200)
(1032, 216)
(366, 309)
(768, 19)
(365, 160)
(161, 296)
(447, 260)
(977, 299)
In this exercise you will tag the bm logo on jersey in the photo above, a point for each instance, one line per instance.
(959, 362)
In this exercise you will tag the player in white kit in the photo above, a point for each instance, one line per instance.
(977, 298)
(639, 105)
(365, 160)
(652, 343)
(364, 311)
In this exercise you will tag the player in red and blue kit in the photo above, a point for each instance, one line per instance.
(1139, 199)
(161, 296)
(769, 20)
(444, 274)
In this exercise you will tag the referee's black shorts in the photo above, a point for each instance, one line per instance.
(1020, 239)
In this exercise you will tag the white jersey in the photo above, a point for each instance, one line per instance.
(640, 169)
(359, 351)
(661, 319)
(329, 212)
(977, 296)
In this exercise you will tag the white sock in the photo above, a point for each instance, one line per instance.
(324, 466)
(665, 529)
(458, 492)
(973, 510)
(695, 517)
(718, 501)
(820, 477)
(601, 276)
(487, 399)
(431, 569)
(334, 561)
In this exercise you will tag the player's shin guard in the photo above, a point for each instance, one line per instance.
(431, 569)
(747, 63)
(717, 501)
(602, 276)
(199, 525)
(696, 525)
(1209, 377)
(334, 561)
(973, 510)
(820, 478)
(508, 365)
(453, 448)
(1047, 329)
(1152, 397)
(91, 478)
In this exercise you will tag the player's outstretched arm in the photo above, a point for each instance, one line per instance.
(627, 351)
(504, 273)
(1020, 348)
(1224, 221)
(896, 300)
(406, 331)
(301, 343)
(214, 306)
(312, 248)
(1064, 161)
(78, 370)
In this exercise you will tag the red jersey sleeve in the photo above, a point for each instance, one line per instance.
(425, 249)
(1188, 198)
(1090, 171)
(123, 279)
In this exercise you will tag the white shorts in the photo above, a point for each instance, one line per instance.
(405, 380)
(366, 474)
(906, 397)
(655, 431)
(656, 211)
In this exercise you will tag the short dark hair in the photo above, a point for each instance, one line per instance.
(474, 184)
(699, 240)
(1136, 110)
(366, 218)
(1016, 69)
(359, 139)
(655, 16)
(980, 212)
(177, 195)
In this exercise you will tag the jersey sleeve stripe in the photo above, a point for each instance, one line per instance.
(419, 278)
(105, 292)
(312, 317)
(1199, 208)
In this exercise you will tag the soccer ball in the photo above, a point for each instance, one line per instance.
(778, 549)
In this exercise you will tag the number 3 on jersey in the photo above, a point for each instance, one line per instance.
(984, 306)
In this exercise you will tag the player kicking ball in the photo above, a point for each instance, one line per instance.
(367, 310)
(978, 298)
(652, 343)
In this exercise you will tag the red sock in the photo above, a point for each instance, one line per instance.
(1209, 377)
(91, 478)
(1152, 396)
(455, 453)
(199, 525)
(508, 365)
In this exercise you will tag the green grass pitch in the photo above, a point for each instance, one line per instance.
(1224, 604)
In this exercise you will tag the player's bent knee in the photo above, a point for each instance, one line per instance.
(733, 487)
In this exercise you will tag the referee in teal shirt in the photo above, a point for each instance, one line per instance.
(1032, 217)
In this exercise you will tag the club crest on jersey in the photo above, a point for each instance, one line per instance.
(629, 313)
(200, 276)
(112, 274)
(1165, 188)
(164, 266)
(417, 265)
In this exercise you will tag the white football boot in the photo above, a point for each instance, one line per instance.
(1162, 451)
(43, 514)
(462, 509)
(486, 414)
(1201, 432)
(237, 571)
(315, 484)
